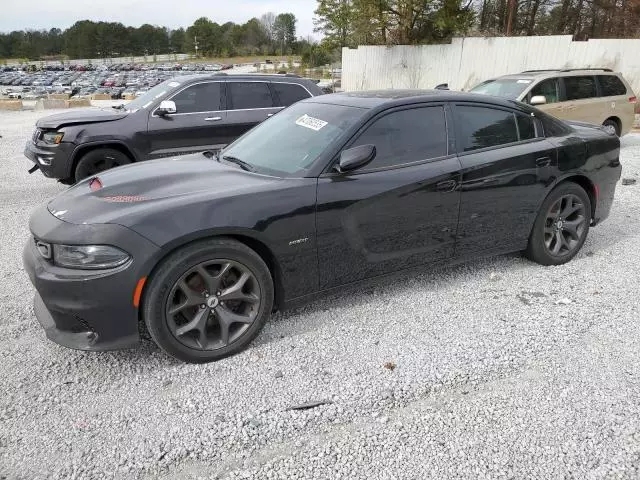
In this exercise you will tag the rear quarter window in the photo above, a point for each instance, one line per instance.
(611, 86)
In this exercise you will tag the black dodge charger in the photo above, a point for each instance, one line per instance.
(331, 191)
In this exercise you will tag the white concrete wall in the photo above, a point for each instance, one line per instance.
(467, 61)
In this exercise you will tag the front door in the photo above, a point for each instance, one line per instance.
(199, 122)
(399, 211)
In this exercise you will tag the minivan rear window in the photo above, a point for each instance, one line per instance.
(611, 86)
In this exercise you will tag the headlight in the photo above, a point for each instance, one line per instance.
(52, 138)
(89, 257)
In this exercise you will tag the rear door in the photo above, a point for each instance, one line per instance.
(617, 100)
(198, 124)
(288, 93)
(581, 100)
(506, 163)
(250, 102)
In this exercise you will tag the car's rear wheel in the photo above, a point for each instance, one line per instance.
(561, 226)
(208, 300)
(612, 126)
(99, 160)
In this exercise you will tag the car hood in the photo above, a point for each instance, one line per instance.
(133, 191)
(84, 115)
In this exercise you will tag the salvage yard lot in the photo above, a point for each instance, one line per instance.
(497, 368)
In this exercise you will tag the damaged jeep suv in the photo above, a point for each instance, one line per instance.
(184, 115)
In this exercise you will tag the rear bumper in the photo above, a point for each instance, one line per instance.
(53, 160)
(83, 309)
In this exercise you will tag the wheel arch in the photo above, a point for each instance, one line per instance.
(616, 119)
(587, 185)
(248, 238)
(83, 149)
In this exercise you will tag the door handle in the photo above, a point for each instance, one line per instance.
(212, 119)
(543, 161)
(446, 186)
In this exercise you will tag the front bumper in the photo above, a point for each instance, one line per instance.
(86, 309)
(53, 160)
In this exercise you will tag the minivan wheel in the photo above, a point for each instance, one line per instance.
(612, 126)
(99, 160)
(208, 300)
(561, 226)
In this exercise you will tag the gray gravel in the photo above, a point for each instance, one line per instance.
(503, 369)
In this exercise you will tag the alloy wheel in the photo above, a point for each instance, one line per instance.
(565, 225)
(213, 304)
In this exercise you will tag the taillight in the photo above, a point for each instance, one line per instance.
(633, 99)
(95, 184)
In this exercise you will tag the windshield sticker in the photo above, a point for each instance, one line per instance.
(524, 81)
(174, 84)
(310, 122)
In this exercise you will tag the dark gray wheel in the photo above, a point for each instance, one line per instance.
(561, 226)
(99, 160)
(208, 300)
(612, 126)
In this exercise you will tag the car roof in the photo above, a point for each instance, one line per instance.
(240, 76)
(558, 72)
(370, 99)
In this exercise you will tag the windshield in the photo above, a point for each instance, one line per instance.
(503, 87)
(149, 97)
(288, 143)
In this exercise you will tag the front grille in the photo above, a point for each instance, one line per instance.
(36, 135)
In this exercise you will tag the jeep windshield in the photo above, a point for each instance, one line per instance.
(288, 143)
(149, 97)
(503, 87)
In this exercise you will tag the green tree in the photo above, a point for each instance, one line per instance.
(284, 27)
(335, 18)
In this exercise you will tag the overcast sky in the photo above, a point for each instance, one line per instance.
(38, 14)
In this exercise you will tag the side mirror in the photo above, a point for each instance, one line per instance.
(538, 100)
(442, 86)
(166, 107)
(356, 157)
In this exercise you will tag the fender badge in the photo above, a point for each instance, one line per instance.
(298, 241)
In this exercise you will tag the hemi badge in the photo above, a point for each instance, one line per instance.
(298, 241)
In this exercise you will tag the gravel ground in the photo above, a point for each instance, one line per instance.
(493, 369)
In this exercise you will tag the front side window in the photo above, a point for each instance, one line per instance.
(249, 95)
(547, 88)
(482, 127)
(578, 88)
(406, 136)
(201, 97)
(289, 93)
(611, 86)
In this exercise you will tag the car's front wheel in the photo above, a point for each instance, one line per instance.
(208, 300)
(99, 160)
(561, 226)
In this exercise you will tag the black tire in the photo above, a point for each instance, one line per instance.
(611, 123)
(551, 228)
(99, 160)
(160, 294)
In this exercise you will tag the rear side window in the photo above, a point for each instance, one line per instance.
(481, 127)
(547, 88)
(577, 88)
(202, 97)
(526, 127)
(611, 86)
(289, 93)
(248, 95)
(406, 136)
